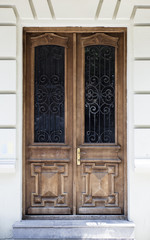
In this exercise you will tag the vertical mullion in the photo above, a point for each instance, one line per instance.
(74, 124)
(116, 96)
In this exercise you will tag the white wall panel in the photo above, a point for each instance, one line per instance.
(7, 41)
(7, 144)
(66, 9)
(142, 76)
(7, 15)
(7, 75)
(141, 2)
(141, 109)
(107, 12)
(42, 9)
(125, 9)
(142, 16)
(142, 42)
(142, 143)
(7, 109)
(24, 9)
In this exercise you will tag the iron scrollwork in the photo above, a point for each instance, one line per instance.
(99, 94)
(49, 94)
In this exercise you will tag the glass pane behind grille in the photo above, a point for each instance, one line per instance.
(99, 94)
(49, 94)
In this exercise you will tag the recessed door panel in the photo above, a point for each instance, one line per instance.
(48, 149)
(100, 173)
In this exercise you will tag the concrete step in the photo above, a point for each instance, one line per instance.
(74, 229)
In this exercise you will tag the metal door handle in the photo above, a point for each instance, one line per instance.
(78, 156)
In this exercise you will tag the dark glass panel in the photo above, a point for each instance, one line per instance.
(49, 94)
(99, 94)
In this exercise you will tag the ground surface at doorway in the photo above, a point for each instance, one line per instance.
(74, 229)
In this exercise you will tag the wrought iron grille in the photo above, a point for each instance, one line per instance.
(99, 94)
(49, 119)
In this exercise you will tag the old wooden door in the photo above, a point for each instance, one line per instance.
(74, 121)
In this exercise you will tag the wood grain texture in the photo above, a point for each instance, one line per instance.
(97, 189)
(99, 38)
(48, 166)
(52, 183)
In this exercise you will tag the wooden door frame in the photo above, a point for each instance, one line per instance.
(74, 30)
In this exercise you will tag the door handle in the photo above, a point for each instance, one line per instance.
(78, 157)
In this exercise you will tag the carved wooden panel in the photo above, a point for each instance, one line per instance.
(49, 38)
(49, 184)
(100, 38)
(98, 182)
(50, 187)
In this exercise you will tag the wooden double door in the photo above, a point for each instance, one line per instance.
(74, 121)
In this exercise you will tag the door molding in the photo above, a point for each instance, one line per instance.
(99, 31)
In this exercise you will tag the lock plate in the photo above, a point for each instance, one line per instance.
(78, 157)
